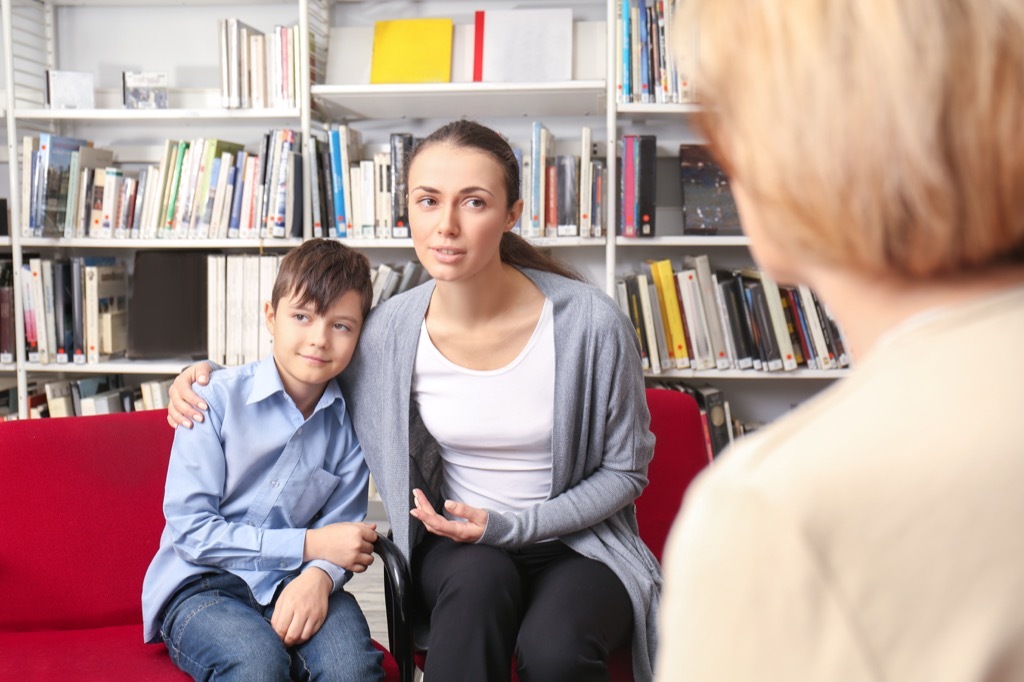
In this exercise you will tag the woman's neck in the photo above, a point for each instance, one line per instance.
(470, 303)
(868, 306)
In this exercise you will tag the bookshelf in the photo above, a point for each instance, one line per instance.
(145, 35)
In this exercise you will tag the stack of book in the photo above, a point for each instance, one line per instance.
(205, 188)
(688, 316)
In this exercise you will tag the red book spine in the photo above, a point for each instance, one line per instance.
(478, 47)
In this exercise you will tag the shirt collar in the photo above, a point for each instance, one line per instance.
(267, 382)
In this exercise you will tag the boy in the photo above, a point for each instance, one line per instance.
(264, 500)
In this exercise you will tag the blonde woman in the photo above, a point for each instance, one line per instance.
(876, 149)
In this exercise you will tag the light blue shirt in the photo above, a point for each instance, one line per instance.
(245, 484)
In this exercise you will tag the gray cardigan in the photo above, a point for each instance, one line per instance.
(601, 442)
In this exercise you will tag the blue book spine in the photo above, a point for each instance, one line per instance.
(337, 184)
(235, 216)
(627, 38)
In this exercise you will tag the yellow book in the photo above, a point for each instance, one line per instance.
(665, 281)
(412, 51)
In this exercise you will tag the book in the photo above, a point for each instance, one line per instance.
(712, 401)
(7, 321)
(646, 182)
(58, 398)
(412, 51)
(664, 278)
(696, 320)
(523, 45)
(401, 149)
(708, 204)
(49, 196)
(167, 310)
(647, 311)
(702, 266)
(567, 209)
(144, 89)
(737, 320)
(62, 310)
(216, 311)
(70, 89)
(106, 324)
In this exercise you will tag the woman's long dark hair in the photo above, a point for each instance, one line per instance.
(514, 250)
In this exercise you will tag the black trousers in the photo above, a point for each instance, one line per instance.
(558, 611)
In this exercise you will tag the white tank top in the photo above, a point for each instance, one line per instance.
(493, 427)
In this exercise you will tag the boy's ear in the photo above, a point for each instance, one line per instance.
(270, 316)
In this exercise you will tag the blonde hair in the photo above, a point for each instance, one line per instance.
(880, 134)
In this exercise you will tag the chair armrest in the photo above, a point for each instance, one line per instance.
(397, 601)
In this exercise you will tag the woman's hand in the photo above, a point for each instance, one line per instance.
(185, 403)
(470, 530)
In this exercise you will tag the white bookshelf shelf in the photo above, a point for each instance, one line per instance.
(446, 100)
(205, 244)
(646, 110)
(170, 366)
(136, 116)
(715, 374)
(5, 242)
(684, 240)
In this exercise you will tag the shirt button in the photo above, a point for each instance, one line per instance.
(275, 483)
(252, 524)
(284, 564)
(299, 432)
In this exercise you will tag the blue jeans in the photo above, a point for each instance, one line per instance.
(216, 630)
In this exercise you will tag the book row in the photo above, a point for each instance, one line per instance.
(202, 188)
(258, 70)
(74, 310)
(646, 70)
(239, 286)
(87, 396)
(353, 196)
(692, 317)
(708, 204)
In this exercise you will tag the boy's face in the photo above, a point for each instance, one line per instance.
(312, 349)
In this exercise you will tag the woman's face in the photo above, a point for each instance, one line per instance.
(458, 211)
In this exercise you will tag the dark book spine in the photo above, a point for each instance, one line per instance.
(647, 170)
(712, 401)
(791, 297)
(327, 190)
(401, 149)
(737, 322)
(78, 311)
(636, 316)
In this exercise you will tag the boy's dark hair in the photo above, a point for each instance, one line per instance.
(472, 135)
(319, 272)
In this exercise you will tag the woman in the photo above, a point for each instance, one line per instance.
(502, 406)
(876, 152)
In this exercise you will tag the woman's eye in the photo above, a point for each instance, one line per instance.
(475, 203)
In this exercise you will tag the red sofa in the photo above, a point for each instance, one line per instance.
(80, 520)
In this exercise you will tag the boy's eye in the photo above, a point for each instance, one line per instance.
(341, 327)
(300, 317)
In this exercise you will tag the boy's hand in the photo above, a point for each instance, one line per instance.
(185, 403)
(470, 530)
(349, 545)
(302, 607)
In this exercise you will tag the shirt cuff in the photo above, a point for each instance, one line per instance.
(338, 574)
(281, 549)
